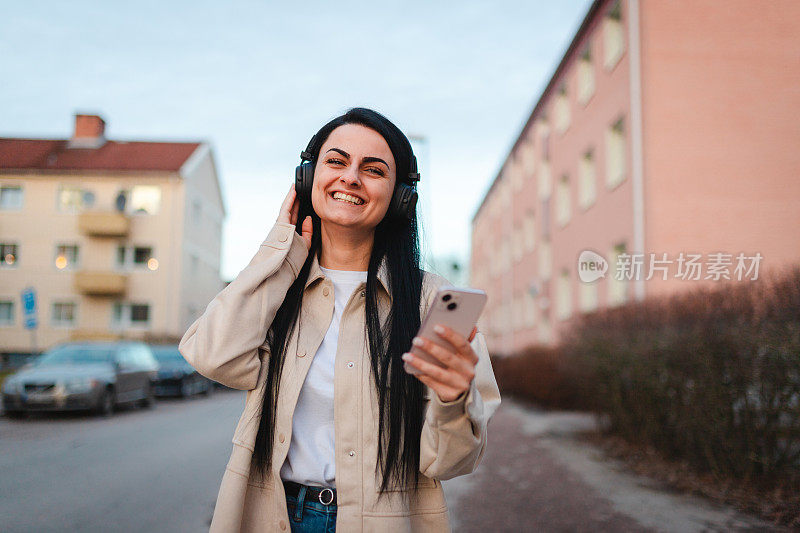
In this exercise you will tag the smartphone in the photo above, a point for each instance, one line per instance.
(455, 307)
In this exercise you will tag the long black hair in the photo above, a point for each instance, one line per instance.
(400, 395)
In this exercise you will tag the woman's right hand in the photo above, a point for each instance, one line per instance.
(289, 211)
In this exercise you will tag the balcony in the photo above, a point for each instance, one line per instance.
(93, 335)
(103, 224)
(98, 283)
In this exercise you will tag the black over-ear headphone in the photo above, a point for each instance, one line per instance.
(404, 199)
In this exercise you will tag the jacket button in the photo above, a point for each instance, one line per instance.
(301, 354)
(352, 453)
(281, 437)
(283, 237)
(349, 364)
(283, 524)
(325, 291)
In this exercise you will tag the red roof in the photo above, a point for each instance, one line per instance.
(54, 155)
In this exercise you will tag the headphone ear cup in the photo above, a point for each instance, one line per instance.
(304, 180)
(404, 202)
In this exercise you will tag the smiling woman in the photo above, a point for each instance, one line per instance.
(335, 433)
(353, 184)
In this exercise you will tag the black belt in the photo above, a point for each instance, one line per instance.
(324, 495)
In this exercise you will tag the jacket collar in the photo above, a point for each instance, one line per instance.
(316, 273)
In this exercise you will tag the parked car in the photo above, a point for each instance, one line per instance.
(176, 377)
(94, 375)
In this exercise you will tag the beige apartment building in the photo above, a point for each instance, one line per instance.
(666, 144)
(118, 239)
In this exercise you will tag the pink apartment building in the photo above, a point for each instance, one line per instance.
(667, 142)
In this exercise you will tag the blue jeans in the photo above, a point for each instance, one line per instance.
(310, 516)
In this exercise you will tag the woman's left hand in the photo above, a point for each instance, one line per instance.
(459, 359)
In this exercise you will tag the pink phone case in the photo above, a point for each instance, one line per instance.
(455, 307)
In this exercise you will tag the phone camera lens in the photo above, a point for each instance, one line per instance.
(446, 298)
(451, 306)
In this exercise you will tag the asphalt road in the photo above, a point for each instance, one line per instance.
(140, 470)
(159, 470)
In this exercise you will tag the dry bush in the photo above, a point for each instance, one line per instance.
(710, 376)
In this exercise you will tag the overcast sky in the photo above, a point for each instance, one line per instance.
(257, 79)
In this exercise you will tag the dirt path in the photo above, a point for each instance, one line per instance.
(536, 477)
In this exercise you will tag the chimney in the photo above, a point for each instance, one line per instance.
(89, 132)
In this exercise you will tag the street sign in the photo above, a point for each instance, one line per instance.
(29, 307)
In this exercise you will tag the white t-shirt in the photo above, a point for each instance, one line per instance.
(311, 459)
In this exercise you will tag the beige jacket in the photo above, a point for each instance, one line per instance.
(227, 344)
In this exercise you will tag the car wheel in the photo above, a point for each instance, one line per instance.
(105, 406)
(186, 389)
(15, 414)
(148, 400)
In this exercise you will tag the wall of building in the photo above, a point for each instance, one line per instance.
(720, 132)
(202, 222)
(521, 245)
(40, 226)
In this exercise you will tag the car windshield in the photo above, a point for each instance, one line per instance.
(76, 355)
(167, 354)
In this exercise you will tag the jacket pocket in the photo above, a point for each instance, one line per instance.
(239, 462)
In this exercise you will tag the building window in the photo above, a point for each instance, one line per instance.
(130, 315)
(563, 201)
(518, 243)
(63, 314)
(585, 76)
(197, 210)
(122, 256)
(136, 257)
(545, 260)
(587, 182)
(6, 313)
(529, 226)
(66, 256)
(545, 181)
(9, 255)
(145, 199)
(561, 110)
(613, 38)
(142, 254)
(545, 329)
(615, 154)
(528, 158)
(530, 309)
(546, 218)
(588, 296)
(507, 251)
(517, 179)
(617, 284)
(140, 314)
(73, 199)
(564, 296)
(546, 146)
(516, 317)
(10, 197)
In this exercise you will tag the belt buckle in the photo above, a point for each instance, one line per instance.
(320, 496)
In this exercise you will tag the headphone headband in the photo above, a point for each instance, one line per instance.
(305, 155)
